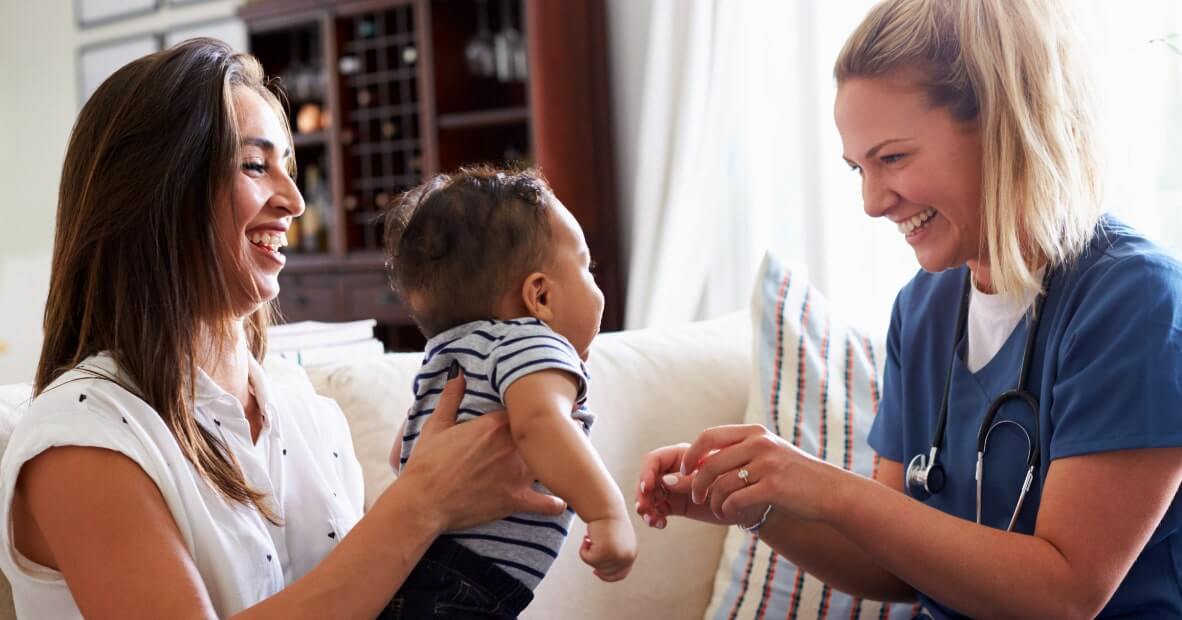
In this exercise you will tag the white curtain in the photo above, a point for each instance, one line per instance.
(734, 118)
(737, 152)
(1135, 50)
(682, 228)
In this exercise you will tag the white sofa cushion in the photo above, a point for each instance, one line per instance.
(375, 394)
(815, 381)
(648, 388)
(652, 388)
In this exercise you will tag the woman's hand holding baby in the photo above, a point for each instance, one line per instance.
(452, 459)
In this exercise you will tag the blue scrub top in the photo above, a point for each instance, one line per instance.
(1106, 368)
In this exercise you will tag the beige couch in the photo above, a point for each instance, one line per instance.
(649, 388)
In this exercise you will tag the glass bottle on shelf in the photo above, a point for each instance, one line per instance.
(348, 65)
(367, 27)
(294, 235)
(313, 229)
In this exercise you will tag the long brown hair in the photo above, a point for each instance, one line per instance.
(140, 269)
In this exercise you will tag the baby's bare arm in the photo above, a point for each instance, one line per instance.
(556, 449)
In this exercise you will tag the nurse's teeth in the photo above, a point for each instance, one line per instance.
(914, 222)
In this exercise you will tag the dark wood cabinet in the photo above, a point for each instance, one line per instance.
(384, 93)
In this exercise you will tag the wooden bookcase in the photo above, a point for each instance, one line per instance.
(383, 93)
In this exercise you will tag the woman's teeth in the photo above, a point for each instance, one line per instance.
(917, 221)
(270, 240)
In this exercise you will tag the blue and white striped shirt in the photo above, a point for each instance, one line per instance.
(494, 354)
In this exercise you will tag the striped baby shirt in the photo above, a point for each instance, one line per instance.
(494, 354)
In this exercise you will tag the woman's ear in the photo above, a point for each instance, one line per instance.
(536, 293)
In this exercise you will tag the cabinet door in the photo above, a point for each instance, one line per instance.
(310, 298)
(368, 296)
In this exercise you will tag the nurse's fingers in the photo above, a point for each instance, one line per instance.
(716, 438)
(655, 465)
(725, 485)
(741, 501)
(714, 466)
(655, 499)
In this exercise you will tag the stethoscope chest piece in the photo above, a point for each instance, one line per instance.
(925, 475)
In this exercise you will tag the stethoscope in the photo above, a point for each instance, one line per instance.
(924, 472)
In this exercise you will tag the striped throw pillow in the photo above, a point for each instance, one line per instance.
(815, 382)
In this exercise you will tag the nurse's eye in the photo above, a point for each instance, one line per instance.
(855, 168)
(892, 158)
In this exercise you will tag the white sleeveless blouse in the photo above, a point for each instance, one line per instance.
(303, 461)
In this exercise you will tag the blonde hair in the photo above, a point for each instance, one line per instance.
(1014, 67)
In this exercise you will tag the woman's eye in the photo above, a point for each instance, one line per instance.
(855, 168)
(254, 166)
(890, 159)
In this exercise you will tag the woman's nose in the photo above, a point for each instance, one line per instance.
(877, 196)
(289, 198)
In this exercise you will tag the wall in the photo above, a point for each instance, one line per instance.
(38, 47)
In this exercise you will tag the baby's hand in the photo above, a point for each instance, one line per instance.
(609, 548)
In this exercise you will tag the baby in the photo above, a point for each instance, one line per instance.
(498, 277)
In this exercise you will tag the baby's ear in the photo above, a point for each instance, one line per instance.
(536, 295)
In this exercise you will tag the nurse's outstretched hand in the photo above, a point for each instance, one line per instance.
(739, 470)
(711, 477)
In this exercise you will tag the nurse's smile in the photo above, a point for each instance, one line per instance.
(914, 228)
(919, 167)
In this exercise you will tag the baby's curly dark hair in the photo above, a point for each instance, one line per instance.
(458, 243)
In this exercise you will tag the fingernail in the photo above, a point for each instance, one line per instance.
(587, 541)
(660, 524)
(642, 486)
(648, 519)
(670, 479)
(453, 370)
(637, 507)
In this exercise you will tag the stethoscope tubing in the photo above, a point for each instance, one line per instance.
(927, 474)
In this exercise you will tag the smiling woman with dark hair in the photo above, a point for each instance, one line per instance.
(158, 473)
